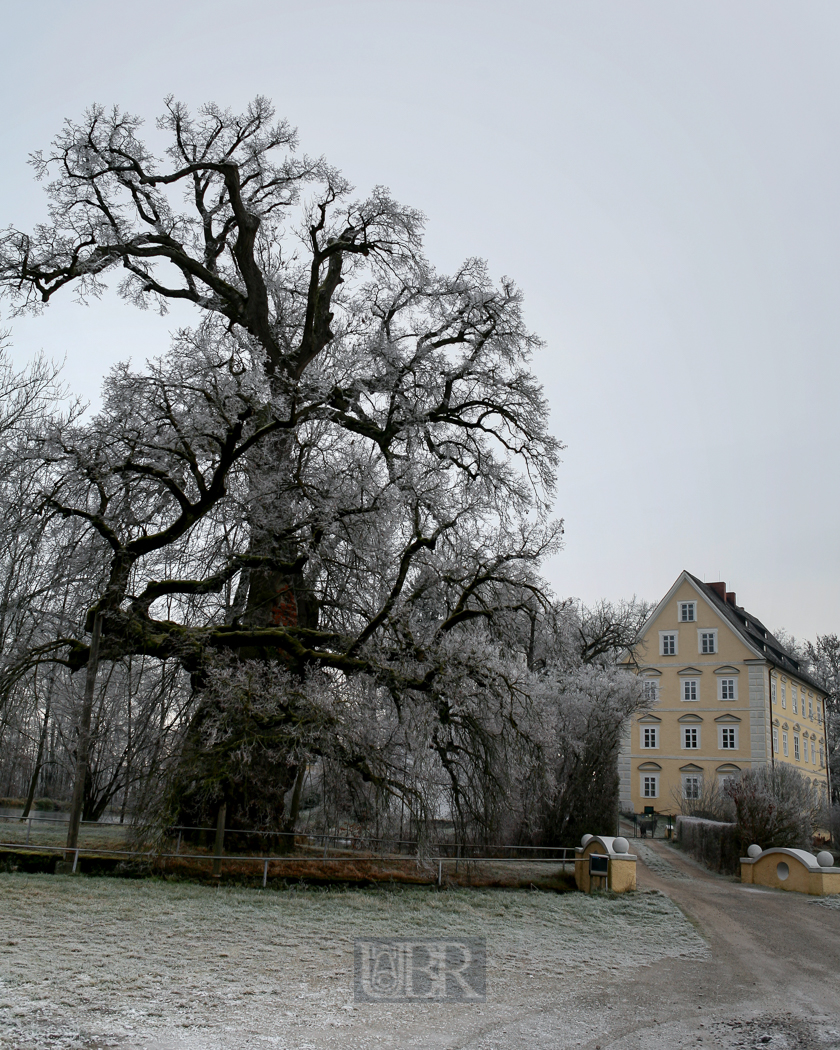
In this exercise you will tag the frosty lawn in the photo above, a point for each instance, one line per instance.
(87, 961)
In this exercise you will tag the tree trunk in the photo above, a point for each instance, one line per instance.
(287, 840)
(128, 749)
(39, 758)
(83, 747)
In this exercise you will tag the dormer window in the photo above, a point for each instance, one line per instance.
(688, 612)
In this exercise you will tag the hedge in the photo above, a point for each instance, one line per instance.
(713, 843)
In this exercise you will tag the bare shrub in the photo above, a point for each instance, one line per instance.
(774, 807)
(712, 802)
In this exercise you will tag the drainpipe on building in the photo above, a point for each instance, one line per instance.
(825, 742)
(770, 705)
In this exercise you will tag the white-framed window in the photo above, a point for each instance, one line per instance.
(785, 744)
(822, 757)
(811, 708)
(650, 736)
(650, 689)
(650, 785)
(668, 643)
(773, 690)
(725, 779)
(728, 688)
(688, 612)
(814, 752)
(784, 695)
(775, 741)
(707, 641)
(819, 712)
(796, 746)
(691, 737)
(691, 785)
(794, 700)
(728, 738)
(690, 689)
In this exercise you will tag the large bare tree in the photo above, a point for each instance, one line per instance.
(343, 464)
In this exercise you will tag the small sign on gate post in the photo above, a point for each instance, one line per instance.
(599, 868)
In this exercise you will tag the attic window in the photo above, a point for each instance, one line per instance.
(688, 612)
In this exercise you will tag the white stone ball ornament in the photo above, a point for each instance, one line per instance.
(825, 859)
(621, 845)
(754, 851)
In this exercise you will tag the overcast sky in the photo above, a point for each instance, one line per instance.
(660, 178)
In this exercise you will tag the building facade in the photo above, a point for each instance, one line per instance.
(725, 696)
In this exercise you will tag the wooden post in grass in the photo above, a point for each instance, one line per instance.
(219, 846)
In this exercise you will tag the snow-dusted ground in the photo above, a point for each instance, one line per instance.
(657, 863)
(95, 962)
(828, 902)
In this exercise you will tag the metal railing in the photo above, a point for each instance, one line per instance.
(347, 847)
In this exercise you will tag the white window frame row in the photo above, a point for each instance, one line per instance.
(692, 784)
(691, 737)
(707, 642)
(798, 698)
(727, 689)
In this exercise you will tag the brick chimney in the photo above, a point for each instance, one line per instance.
(719, 589)
(730, 599)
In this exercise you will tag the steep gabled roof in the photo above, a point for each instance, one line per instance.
(755, 634)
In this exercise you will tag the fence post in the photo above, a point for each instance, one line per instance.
(265, 873)
(28, 830)
(220, 840)
(440, 873)
(75, 861)
(178, 844)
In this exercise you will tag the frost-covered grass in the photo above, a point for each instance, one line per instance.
(180, 965)
(657, 863)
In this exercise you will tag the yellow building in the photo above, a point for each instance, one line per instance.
(726, 696)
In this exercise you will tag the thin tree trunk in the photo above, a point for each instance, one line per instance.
(128, 749)
(83, 746)
(39, 758)
(287, 840)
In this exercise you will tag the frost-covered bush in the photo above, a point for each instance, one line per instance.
(774, 807)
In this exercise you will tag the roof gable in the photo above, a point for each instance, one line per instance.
(749, 630)
(706, 594)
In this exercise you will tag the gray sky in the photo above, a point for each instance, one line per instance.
(659, 178)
